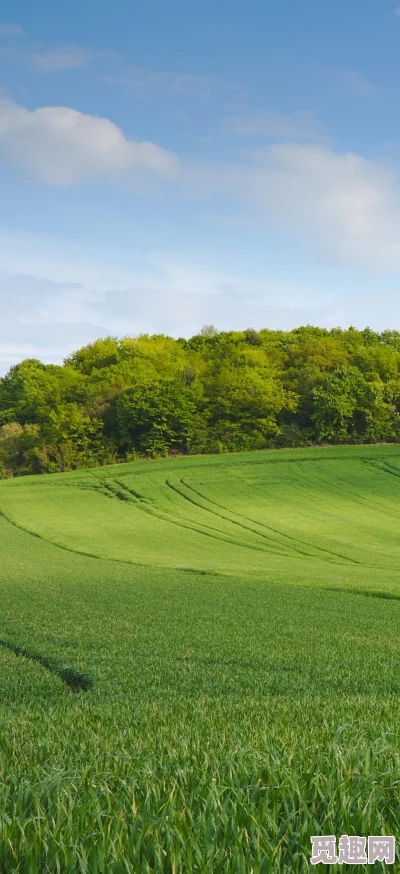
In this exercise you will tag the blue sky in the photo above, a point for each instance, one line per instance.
(166, 165)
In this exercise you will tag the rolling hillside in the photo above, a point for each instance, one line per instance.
(191, 678)
(320, 515)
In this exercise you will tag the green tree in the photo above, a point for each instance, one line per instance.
(95, 356)
(336, 401)
(156, 417)
(242, 396)
(71, 439)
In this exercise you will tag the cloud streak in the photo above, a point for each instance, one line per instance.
(8, 29)
(142, 82)
(264, 123)
(114, 69)
(354, 82)
(63, 58)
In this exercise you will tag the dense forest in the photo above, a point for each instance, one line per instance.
(117, 400)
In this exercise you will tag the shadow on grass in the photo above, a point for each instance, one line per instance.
(75, 680)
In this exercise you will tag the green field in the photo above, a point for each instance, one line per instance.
(200, 662)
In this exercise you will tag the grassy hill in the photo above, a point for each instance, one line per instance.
(192, 677)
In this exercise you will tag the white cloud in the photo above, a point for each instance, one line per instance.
(10, 29)
(63, 58)
(343, 206)
(63, 147)
(350, 206)
(296, 125)
(397, 11)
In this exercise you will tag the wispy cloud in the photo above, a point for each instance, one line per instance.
(114, 69)
(62, 58)
(143, 81)
(60, 146)
(354, 82)
(301, 124)
(7, 29)
(48, 317)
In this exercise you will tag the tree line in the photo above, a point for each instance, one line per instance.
(220, 391)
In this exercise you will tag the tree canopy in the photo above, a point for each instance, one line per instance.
(151, 395)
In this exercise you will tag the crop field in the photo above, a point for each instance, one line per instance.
(200, 662)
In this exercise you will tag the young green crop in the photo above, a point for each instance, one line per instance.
(228, 711)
